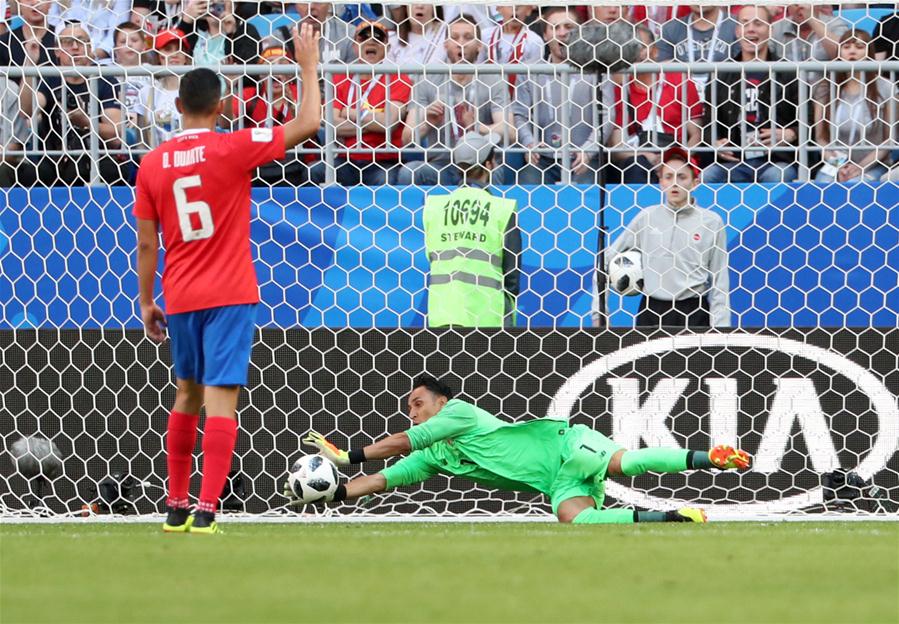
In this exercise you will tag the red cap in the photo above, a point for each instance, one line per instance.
(165, 37)
(679, 153)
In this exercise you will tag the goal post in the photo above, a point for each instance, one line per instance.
(804, 373)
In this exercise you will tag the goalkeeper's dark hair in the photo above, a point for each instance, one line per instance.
(200, 91)
(433, 384)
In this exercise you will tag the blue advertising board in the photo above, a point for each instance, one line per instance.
(800, 255)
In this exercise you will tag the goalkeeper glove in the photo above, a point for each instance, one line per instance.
(336, 455)
(293, 501)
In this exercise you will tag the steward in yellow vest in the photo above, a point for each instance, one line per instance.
(473, 244)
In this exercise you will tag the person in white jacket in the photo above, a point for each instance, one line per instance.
(684, 253)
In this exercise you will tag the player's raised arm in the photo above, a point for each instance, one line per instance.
(309, 116)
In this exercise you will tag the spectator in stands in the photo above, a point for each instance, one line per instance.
(130, 50)
(70, 128)
(807, 32)
(852, 114)
(606, 13)
(709, 34)
(99, 19)
(272, 102)
(512, 42)
(539, 110)
(154, 16)
(130, 45)
(216, 36)
(684, 252)
(366, 121)
(652, 16)
(655, 16)
(351, 12)
(652, 112)
(420, 36)
(336, 43)
(444, 108)
(886, 38)
(30, 43)
(13, 133)
(486, 15)
(762, 101)
(160, 119)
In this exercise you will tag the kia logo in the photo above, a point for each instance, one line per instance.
(795, 401)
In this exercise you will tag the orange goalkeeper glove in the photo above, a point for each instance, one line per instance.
(336, 455)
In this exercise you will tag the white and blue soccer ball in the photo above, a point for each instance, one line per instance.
(626, 273)
(313, 478)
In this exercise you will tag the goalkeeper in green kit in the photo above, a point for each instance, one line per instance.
(569, 464)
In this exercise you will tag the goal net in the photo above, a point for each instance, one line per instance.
(786, 344)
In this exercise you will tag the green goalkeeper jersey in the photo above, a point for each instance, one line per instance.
(464, 440)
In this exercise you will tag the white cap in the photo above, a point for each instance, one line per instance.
(474, 148)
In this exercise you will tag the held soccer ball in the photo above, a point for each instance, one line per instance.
(626, 273)
(313, 478)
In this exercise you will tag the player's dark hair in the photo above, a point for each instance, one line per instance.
(433, 384)
(200, 91)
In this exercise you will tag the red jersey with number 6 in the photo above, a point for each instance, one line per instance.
(197, 187)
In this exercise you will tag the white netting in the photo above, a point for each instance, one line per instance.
(789, 115)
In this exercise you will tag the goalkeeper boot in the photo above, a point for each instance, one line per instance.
(686, 514)
(177, 520)
(203, 522)
(726, 457)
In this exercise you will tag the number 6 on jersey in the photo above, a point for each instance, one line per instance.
(186, 210)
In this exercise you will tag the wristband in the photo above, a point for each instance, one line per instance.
(356, 456)
(339, 493)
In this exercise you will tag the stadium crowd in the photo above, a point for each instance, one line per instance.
(399, 127)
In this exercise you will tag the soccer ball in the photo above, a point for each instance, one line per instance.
(313, 478)
(626, 273)
(36, 455)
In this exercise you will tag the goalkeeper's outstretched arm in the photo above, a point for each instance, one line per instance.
(415, 468)
(363, 486)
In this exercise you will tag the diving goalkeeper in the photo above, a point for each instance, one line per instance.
(569, 464)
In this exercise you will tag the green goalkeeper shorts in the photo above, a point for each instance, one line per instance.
(585, 460)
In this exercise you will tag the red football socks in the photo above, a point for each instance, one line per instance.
(219, 436)
(180, 441)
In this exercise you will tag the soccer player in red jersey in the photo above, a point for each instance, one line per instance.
(196, 187)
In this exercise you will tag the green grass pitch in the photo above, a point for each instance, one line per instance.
(716, 573)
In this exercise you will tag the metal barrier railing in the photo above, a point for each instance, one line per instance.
(330, 150)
